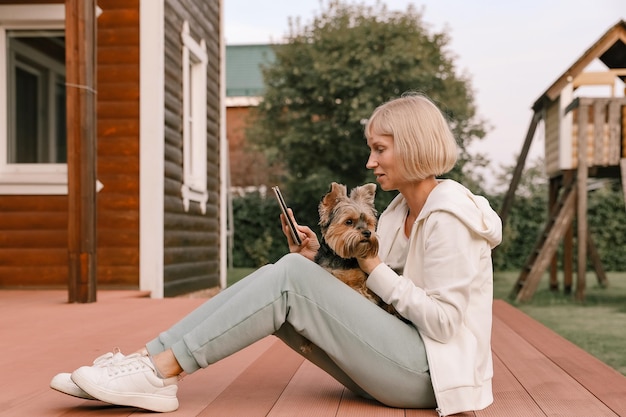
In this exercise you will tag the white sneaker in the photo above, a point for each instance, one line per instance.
(131, 382)
(63, 382)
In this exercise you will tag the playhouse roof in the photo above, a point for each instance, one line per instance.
(610, 49)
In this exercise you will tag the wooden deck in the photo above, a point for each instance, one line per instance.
(537, 373)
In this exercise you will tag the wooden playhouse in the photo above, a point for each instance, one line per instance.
(585, 139)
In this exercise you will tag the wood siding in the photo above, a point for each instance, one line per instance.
(118, 143)
(603, 130)
(191, 239)
(33, 233)
(33, 241)
(552, 138)
(33, 229)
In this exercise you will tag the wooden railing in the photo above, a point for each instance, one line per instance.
(600, 122)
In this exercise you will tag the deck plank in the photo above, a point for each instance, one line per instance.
(353, 406)
(201, 388)
(536, 372)
(256, 391)
(601, 380)
(311, 393)
(550, 387)
(42, 335)
(510, 397)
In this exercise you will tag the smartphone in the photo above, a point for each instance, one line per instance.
(283, 207)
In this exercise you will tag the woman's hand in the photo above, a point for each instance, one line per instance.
(368, 264)
(310, 245)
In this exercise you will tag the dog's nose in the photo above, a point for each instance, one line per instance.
(366, 233)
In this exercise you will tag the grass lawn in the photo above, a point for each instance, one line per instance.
(598, 325)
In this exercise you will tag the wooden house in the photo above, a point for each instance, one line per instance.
(159, 212)
(584, 120)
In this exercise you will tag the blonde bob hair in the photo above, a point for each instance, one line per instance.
(423, 142)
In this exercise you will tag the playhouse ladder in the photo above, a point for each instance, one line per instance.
(559, 221)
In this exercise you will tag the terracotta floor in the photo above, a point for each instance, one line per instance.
(537, 373)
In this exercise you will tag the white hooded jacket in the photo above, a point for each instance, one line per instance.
(446, 289)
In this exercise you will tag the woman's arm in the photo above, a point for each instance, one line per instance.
(449, 265)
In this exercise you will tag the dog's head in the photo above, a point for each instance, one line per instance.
(348, 223)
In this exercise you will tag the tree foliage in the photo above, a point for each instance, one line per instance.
(328, 78)
(258, 237)
(607, 224)
(527, 216)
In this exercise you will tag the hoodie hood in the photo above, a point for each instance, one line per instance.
(473, 210)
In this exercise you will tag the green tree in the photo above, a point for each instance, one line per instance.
(328, 78)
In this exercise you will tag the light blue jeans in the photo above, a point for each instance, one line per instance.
(369, 351)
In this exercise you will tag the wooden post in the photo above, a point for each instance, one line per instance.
(568, 260)
(553, 194)
(519, 168)
(581, 212)
(80, 62)
(568, 247)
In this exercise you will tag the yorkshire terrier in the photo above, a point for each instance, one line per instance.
(348, 225)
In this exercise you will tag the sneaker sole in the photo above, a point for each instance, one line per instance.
(149, 402)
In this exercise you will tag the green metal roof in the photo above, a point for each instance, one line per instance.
(243, 69)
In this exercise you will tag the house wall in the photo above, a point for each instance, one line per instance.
(118, 142)
(248, 167)
(33, 235)
(33, 228)
(191, 238)
(33, 232)
(33, 240)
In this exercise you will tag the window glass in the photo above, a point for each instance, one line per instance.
(36, 97)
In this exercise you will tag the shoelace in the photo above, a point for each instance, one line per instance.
(130, 363)
(107, 357)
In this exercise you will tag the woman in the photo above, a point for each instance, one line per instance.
(434, 266)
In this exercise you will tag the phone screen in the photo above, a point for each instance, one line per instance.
(283, 207)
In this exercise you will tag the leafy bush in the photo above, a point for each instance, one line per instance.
(607, 224)
(257, 237)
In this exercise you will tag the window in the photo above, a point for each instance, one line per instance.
(194, 121)
(32, 100)
(36, 97)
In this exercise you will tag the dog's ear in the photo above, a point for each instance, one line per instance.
(330, 200)
(364, 194)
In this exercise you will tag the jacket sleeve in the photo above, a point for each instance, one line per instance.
(450, 255)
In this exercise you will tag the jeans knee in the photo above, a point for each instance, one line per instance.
(293, 262)
(296, 268)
